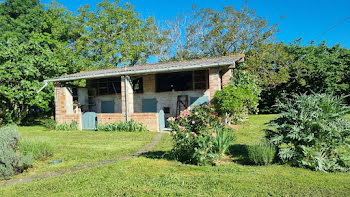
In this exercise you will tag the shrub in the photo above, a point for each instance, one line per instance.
(238, 99)
(128, 126)
(223, 140)
(261, 154)
(49, 124)
(40, 150)
(11, 160)
(67, 127)
(311, 132)
(194, 136)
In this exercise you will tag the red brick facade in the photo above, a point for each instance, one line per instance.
(66, 114)
(214, 81)
(226, 76)
(64, 107)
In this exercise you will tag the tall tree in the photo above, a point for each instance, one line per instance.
(115, 35)
(212, 33)
(33, 47)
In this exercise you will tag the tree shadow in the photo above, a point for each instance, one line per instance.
(158, 155)
(239, 153)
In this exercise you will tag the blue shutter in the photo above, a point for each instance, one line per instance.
(149, 105)
(107, 106)
(204, 100)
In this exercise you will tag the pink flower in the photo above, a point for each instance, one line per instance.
(174, 132)
(213, 134)
(194, 134)
(182, 128)
(193, 121)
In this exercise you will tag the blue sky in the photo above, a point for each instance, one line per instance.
(302, 18)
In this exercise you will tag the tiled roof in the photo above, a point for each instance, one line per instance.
(175, 66)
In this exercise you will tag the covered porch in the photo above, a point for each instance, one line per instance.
(149, 97)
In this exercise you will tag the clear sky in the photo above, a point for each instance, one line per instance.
(302, 18)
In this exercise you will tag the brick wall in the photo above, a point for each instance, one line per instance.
(106, 118)
(150, 120)
(226, 76)
(214, 81)
(149, 83)
(64, 107)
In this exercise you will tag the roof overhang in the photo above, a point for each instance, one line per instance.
(153, 68)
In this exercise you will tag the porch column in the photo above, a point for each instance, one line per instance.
(214, 81)
(64, 107)
(127, 95)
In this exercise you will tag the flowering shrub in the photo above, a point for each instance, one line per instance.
(194, 134)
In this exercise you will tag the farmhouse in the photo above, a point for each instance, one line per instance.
(148, 94)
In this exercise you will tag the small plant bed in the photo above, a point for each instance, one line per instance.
(126, 126)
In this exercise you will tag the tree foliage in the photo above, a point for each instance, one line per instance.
(115, 35)
(40, 42)
(306, 69)
(33, 48)
(212, 33)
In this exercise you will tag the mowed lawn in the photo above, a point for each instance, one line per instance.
(82, 147)
(154, 175)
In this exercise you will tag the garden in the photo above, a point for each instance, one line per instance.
(281, 127)
(155, 173)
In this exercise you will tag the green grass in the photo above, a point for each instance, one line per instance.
(82, 147)
(152, 175)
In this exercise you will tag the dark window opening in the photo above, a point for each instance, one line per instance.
(137, 85)
(182, 81)
(106, 86)
(179, 81)
(200, 79)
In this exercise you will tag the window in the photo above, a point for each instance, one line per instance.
(182, 81)
(200, 79)
(179, 81)
(106, 86)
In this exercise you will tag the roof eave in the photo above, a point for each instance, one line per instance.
(142, 72)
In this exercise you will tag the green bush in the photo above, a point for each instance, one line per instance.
(127, 126)
(67, 127)
(11, 160)
(49, 124)
(194, 136)
(223, 140)
(241, 97)
(311, 132)
(261, 154)
(40, 150)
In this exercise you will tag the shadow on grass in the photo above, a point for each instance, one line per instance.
(239, 153)
(158, 155)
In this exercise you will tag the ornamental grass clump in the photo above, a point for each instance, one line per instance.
(311, 132)
(261, 154)
(195, 135)
(39, 149)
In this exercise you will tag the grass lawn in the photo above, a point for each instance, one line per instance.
(152, 175)
(83, 147)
